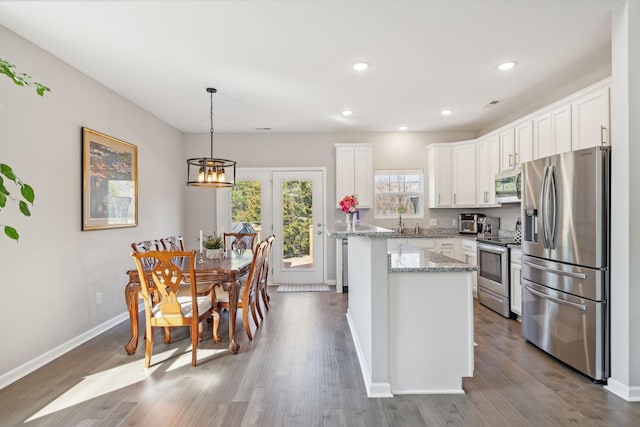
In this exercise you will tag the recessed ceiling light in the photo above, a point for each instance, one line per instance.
(446, 112)
(361, 66)
(347, 112)
(403, 127)
(507, 66)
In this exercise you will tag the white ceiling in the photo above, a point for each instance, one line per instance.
(286, 65)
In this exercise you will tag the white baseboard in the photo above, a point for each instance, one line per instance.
(26, 368)
(630, 394)
(331, 282)
(373, 389)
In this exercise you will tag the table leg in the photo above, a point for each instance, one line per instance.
(131, 298)
(233, 309)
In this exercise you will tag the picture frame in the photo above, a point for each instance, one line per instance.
(109, 182)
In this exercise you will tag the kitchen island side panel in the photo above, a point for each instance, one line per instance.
(431, 332)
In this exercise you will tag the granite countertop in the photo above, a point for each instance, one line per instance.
(409, 259)
(342, 230)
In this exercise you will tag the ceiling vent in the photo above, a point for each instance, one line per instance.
(491, 103)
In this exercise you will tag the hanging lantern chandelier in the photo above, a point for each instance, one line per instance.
(209, 171)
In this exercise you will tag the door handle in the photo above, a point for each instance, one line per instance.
(554, 299)
(554, 207)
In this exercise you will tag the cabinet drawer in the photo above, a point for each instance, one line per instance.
(469, 245)
(445, 243)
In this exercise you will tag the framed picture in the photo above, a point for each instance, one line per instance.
(109, 182)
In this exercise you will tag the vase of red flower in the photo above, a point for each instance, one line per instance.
(348, 205)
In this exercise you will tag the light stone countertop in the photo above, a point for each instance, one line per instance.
(342, 231)
(409, 259)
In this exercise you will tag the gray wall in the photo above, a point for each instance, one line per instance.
(50, 278)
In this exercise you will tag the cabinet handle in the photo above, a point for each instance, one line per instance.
(438, 198)
(516, 159)
(602, 135)
(510, 156)
(454, 198)
(486, 196)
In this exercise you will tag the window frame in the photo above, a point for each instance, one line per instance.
(399, 172)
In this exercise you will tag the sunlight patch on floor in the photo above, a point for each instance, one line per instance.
(185, 358)
(101, 383)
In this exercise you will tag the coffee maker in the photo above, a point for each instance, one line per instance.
(488, 226)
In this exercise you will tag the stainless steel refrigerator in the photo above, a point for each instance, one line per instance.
(565, 258)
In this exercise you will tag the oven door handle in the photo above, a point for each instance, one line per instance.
(493, 249)
(554, 299)
(556, 271)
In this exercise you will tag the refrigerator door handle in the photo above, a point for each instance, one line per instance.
(554, 299)
(555, 271)
(543, 206)
(553, 219)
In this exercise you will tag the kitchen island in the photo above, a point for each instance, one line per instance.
(410, 314)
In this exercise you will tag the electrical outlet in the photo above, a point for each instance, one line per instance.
(98, 298)
(433, 222)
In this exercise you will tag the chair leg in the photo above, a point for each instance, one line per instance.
(149, 346)
(167, 335)
(245, 322)
(259, 308)
(195, 332)
(216, 325)
(265, 297)
(253, 313)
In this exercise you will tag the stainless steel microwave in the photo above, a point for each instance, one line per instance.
(509, 187)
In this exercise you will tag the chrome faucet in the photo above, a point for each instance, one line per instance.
(400, 224)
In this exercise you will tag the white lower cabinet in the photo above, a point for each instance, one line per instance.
(516, 285)
(447, 247)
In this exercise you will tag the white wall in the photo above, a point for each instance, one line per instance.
(50, 278)
(625, 202)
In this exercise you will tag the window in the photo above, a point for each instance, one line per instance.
(399, 191)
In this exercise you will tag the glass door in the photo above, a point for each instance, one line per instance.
(298, 251)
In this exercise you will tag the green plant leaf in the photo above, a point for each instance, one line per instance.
(24, 208)
(28, 193)
(11, 232)
(8, 172)
(3, 200)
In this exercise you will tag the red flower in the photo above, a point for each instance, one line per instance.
(348, 203)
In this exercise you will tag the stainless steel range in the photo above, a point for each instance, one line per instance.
(493, 276)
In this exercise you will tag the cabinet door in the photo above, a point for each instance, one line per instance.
(363, 176)
(464, 169)
(590, 116)
(524, 142)
(487, 166)
(542, 142)
(507, 149)
(345, 173)
(561, 128)
(439, 165)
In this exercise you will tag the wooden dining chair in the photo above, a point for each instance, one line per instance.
(239, 241)
(248, 292)
(171, 309)
(264, 277)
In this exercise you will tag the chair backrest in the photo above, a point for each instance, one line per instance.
(239, 241)
(253, 277)
(147, 246)
(166, 278)
(173, 243)
(264, 273)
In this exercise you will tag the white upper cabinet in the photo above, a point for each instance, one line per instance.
(439, 173)
(354, 173)
(464, 172)
(591, 119)
(487, 166)
(507, 149)
(523, 142)
(552, 132)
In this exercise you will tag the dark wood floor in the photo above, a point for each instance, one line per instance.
(301, 370)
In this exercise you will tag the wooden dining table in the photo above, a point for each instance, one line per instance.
(227, 271)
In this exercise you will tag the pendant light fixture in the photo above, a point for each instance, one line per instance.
(208, 171)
